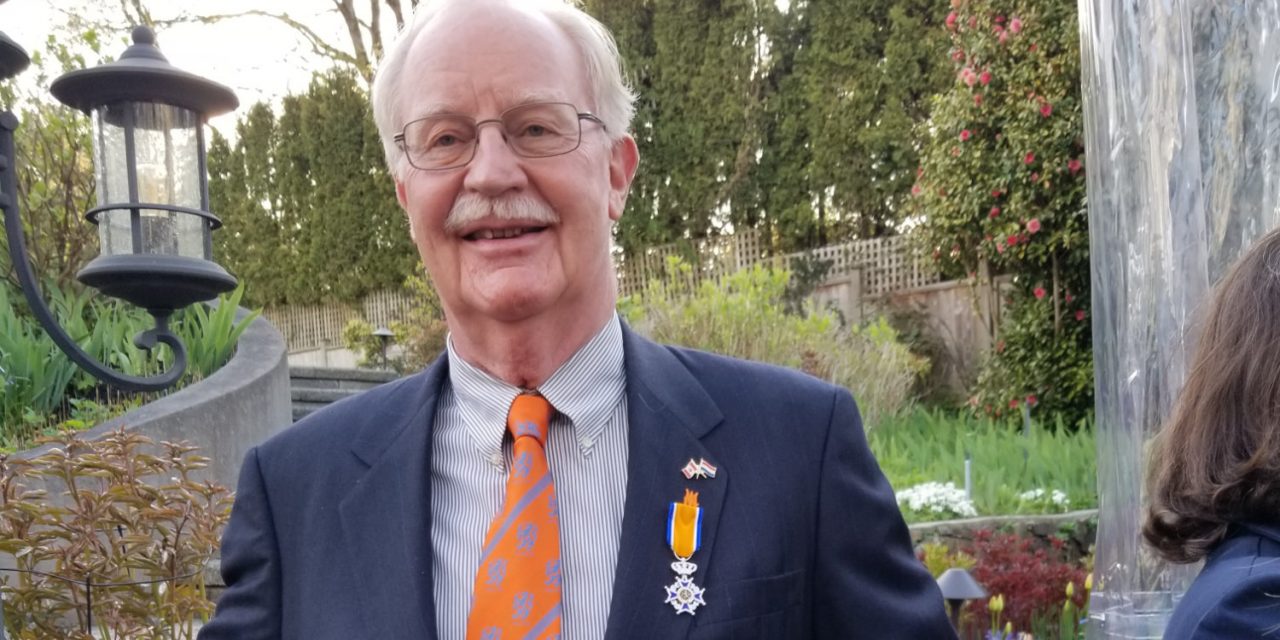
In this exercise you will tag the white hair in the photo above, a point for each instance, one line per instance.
(614, 99)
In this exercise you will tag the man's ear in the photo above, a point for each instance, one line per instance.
(623, 160)
(400, 196)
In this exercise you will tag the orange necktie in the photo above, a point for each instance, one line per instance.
(517, 587)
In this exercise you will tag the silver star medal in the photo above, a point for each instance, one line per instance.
(683, 594)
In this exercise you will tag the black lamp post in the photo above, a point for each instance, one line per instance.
(384, 336)
(153, 218)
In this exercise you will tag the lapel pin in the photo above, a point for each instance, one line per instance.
(699, 468)
(684, 536)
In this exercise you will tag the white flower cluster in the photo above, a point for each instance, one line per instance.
(1055, 497)
(935, 497)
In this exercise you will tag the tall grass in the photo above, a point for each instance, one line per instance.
(922, 446)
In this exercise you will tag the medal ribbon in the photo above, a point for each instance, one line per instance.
(684, 526)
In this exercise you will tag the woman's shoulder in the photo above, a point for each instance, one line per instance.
(1237, 594)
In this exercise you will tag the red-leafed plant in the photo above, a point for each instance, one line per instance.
(1031, 576)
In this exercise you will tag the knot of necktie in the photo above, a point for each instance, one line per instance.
(530, 416)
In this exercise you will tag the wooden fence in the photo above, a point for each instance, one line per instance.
(315, 326)
(881, 265)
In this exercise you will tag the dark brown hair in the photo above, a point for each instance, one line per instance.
(1217, 459)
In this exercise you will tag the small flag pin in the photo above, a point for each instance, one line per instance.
(699, 468)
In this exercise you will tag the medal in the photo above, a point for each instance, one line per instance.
(684, 536)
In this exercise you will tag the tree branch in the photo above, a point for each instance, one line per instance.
(375, 29)
(398, 13)
(319, 44)
(348, 11)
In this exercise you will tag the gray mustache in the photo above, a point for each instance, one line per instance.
(472, 208)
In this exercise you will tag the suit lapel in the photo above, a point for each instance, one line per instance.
(668, 414)
(386, 517)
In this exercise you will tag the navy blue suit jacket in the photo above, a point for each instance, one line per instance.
(330, 533)
(1237, 594)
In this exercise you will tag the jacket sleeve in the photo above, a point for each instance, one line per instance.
(249, 609)
(866, 576)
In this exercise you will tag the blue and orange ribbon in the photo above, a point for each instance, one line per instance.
(684, 525)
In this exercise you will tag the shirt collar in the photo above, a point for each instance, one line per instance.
(586, 389)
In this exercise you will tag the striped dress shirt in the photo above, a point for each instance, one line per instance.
(587, 454)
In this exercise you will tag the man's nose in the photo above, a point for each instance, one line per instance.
(495, 169)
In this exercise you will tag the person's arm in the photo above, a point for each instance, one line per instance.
(250, 607)
(867, 581)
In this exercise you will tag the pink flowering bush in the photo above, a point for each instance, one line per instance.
(1011, 194)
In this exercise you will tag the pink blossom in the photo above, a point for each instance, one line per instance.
(973, 22)
(977, 99)
(1039, 293)
(915, 189)
(964, 135)
(1003, 37)
(1067, 297)
(1035, 176)
(1000, 246)
(1073, 165)
(968, 76)
(957, 55)
(1080, 315)
(999, 19)
(995, 211)
(1013, 239)
(1013, 404)
(1029, 158)
(1032, 400)
(951, 20)
(1015, 25)
(1032, 48)
(1046, 109)
(995, 193)
(985, 78)
(1033, 225)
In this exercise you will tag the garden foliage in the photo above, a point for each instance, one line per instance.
(55, 167)
(1012, 471)
(1036, 588)
(1001, 183)
(40, 381)
(417, 341)
(133, 512)
(310, 210)
(745, 315)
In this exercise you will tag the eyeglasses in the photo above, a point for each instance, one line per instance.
(536, 130)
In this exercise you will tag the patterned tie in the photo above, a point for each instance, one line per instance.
(517, 587)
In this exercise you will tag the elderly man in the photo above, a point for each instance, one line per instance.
(554, 475)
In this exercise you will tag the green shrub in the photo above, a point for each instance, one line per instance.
(746, 316)
(1007, 465)
(415, 343)
(139, 514)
